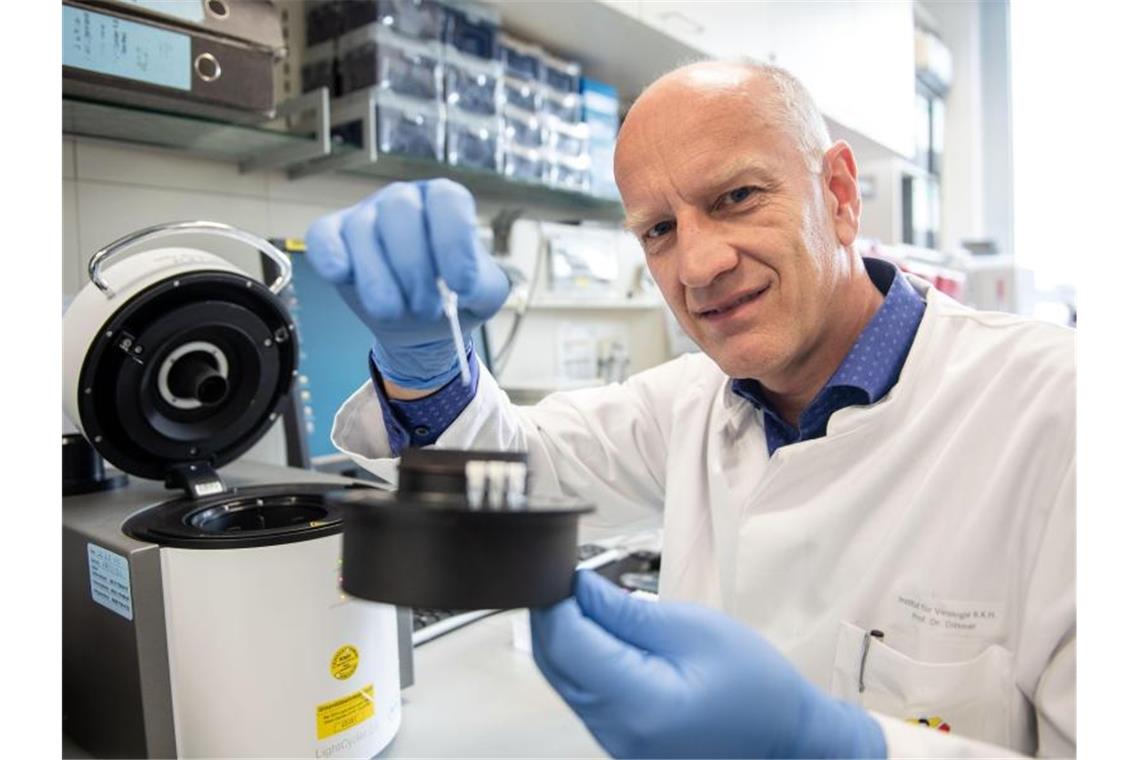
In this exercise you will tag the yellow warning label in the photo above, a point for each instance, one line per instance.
(346, 712)
(344, 662)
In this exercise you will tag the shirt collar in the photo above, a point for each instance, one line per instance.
(873, 364)
(875, 360)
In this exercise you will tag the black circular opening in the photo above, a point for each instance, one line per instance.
(218, 8)
(258, 514)
(212, 389)
(243, 518)
(196, 376)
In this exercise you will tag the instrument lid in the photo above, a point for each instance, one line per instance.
(187, 375)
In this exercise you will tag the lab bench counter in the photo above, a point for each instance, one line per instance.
(476, 695)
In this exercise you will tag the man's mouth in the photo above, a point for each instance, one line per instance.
(731, 305)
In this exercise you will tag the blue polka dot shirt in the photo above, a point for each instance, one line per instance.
(422, 421)
(870, 369)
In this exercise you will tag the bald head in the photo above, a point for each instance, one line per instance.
(767, 93)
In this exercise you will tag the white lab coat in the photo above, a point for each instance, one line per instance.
(942, 515)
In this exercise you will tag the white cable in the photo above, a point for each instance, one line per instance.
(500, 359)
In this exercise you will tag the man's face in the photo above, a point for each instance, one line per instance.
(735, 228)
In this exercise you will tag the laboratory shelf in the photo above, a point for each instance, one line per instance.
(201, 136)
(273, 145)
(489, 186)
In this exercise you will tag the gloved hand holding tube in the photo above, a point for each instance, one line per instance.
(385, 254)
(663, 679)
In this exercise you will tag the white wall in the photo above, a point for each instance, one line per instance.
(111, 189)
(997, 150)
(959, 24)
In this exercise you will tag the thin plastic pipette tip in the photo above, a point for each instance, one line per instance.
(451, 311)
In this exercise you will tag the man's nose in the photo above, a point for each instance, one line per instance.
(704, 255)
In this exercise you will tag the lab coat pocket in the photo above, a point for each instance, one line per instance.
(973, 698)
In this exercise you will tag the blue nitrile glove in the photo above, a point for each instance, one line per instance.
(384, 254)
(663, 679)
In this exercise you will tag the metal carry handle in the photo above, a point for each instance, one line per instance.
(284, 266)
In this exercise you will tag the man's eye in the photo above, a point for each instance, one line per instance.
(739, 195)
(657, 230)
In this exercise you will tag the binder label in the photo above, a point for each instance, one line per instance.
(121, 48)
(187, 10)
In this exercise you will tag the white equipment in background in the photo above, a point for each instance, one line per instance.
(993, 283)
(582, 310)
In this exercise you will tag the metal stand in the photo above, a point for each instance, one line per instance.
(362, 107)
(315, 103)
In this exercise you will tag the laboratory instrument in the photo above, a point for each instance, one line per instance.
(492, 545)
(205, 618)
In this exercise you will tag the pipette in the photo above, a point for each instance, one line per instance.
(451, 311)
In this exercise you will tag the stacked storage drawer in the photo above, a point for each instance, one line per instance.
(473, 83)
(567, 136)
(600, 110)
(391, 48)
(322, 27)
(524, 141)
(453, 87)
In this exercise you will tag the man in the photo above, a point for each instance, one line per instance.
(875, 482)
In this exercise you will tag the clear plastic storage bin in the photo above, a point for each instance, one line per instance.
(561, 75)
(473, 85)
(374, 56)
(324, 20)
(524, 164)
(471, 32)
(567, 139)
(569, 172)
(473, 141)
(521, 128)
(521, 60)
(420, 19)
(318, 68)
(565, 106)
(410, 127)
(522, 93)
(405, 126)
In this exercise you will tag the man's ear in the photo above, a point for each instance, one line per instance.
(841, 178)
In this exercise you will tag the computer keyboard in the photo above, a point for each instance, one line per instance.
(428, 624)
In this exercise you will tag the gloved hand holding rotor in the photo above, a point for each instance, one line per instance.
(384, 255)
(665, 679)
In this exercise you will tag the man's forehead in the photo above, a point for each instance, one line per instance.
(695, 154)
(709, 78)
(679, 122)
(685, 101)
